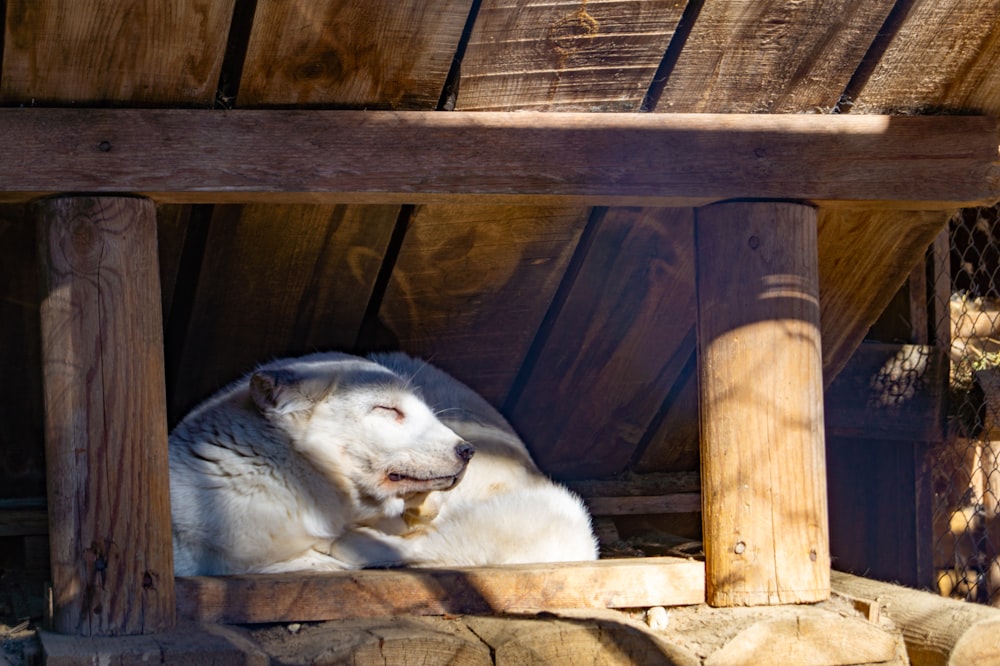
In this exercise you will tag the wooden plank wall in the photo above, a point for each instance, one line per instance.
(63, 52)
(284, 280)
(578, 322)
(529, 248)
(766, 58)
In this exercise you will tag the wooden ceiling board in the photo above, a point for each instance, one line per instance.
(556, 45)
(553, 56)
(594, 55)
(377, 54)
(620, 341)
(284, 280)
(773, 56)
(864, 258)
(276, 281)
(472, 284)
(943, 56)
(111, 51)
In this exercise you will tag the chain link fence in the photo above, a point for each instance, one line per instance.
(964, 469)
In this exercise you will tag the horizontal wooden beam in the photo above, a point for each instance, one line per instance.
(307, 597)
(639, 505)
(300, 156)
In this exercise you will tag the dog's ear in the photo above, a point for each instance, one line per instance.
(279, 392)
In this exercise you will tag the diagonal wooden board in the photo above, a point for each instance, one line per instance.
(64, 51)
(771, 56)
(608, 358)
(954, 66)
(290, 279)
(489, 273)
(372, 54)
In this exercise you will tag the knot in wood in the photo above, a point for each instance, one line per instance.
(564, 33)
(83, 240)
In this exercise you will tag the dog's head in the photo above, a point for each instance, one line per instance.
(360, 423)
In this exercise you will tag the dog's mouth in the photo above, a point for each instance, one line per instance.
(405, 484)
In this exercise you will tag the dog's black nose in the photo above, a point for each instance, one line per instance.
(464, 451)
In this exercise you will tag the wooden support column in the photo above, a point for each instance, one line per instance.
(106, 426)
(761, 384)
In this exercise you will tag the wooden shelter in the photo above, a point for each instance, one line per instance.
(650, 231)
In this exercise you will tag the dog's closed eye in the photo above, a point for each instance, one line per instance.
(389, 410)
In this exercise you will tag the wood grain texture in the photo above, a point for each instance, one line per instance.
(70, 51)
(535, 55)
(472, 283)
(762, 453)
(283, 280)
(305, 597)
(375, 54)
(882, 525)
(595, 55)
(278, 281)
(942, 55)
(484, 157)
(105, 426)
(864, 258)
(674, 441)
(772, 56)
(757, 57)
(611, 355)
(937, 631)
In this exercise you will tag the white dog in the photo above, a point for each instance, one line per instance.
(504, 511)
(331, 461)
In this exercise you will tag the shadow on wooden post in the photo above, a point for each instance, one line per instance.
(105, 417)
(761, 381)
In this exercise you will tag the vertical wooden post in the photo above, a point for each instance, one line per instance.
(761, 384)
(105, 411)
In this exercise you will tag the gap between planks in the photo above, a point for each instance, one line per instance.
(512, 589)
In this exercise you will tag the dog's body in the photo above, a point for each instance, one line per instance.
(332, 461)
(504, 511)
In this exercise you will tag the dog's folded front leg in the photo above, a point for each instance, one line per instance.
(317, 558)
(366, 547)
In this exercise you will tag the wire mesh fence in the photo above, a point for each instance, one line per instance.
(964, 469)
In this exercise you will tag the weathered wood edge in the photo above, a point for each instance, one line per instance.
(937, 631)
(306, 597)
(314, 156)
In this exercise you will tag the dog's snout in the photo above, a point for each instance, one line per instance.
(464, 451)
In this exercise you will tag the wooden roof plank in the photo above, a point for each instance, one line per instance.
(771, 56)
(611, 353)
(864, 258)
(376, 54)
(598, 55)
(289, 279)
(570, 158)
(562, 55)
(70, 52)
(943, 56)
(472, 283)
(277, 281)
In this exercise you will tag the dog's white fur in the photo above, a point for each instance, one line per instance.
(331, 461)
(504, 511)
